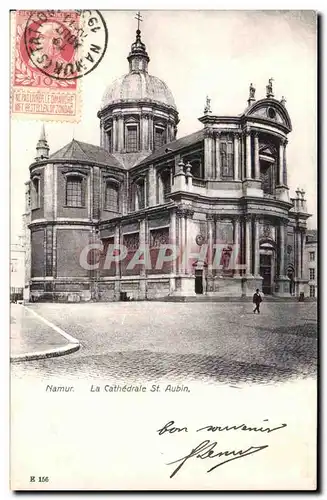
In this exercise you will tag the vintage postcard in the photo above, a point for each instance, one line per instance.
(164, 250)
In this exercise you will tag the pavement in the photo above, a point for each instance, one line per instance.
(135, 341)
(32, 337)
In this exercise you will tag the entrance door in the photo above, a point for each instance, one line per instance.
(265, 272)
(198, 282)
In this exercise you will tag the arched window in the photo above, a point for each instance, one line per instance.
(75, 191)
(112, 197)
(159, 136)
(36, 192)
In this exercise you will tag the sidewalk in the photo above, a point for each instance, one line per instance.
(31, 338)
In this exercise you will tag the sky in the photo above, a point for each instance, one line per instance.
(199, 53)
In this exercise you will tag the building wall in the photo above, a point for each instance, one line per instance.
(37, 254)
(70, 244)
(311, 248)
(17, 266)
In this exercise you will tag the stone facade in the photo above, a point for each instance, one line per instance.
(222, 189)
(311, 261)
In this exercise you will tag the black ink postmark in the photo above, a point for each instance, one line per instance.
(66, 45)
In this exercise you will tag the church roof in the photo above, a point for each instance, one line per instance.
(82, 151)
(174, 146)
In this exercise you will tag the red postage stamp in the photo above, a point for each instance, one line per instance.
(53, 51)
(36, 95)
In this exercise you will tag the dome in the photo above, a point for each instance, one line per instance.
(138, 85)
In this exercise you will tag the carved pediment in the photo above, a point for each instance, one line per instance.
(272, 111)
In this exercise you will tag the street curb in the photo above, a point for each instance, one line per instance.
(51, 353)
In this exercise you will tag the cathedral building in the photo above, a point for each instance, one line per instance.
(223, 188)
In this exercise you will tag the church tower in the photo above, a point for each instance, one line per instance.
(42, 147)
(138, 113)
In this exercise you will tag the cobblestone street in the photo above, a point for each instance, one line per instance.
(222, 342)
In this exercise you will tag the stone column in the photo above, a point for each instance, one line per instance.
(248, 155)
(256, 157)
(102, 141)
(152, 186)
(285, 164)
(114, 134)
(150, 132)
(141, 132)
(172, 237)
(248, 250)
(217, 143)
(281, 163)
(282, 271)
(299, 254)
(120, 133)
(283, 282)
(256, 248)
(236, 156)
(171, 130)
(301, 241)
(185, 244)
(117, 264)
(160, 188)
(210, 244)
(181, 231)
(237, 246)
(145, 135)
(208, 154)
(142, 240)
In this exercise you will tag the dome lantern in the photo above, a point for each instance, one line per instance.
(138, 113)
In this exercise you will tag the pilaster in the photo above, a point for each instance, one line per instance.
(217, 156)
(208, 153)
(283, 286)
(120, 133)
(256, 157)
(236, 156)
(152, 186)
(248, 154)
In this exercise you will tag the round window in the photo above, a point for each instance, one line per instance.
(271, 113)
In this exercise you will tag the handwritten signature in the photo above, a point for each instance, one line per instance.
(209, 449)
(206, 449)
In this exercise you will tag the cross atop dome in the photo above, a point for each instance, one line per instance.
(139, 19)
(138, 57)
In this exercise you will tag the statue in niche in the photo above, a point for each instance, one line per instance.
(225, 257)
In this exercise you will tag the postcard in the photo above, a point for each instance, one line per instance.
(164, 250)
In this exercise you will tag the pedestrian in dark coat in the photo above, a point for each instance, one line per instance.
(257, 301)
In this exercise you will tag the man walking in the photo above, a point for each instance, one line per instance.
(257, 301)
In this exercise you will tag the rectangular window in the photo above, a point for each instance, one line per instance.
(312, 256)
(74, 190)
(111, 197)
(131, 138)
(312, 291)
(36, 193)
(227, 159)
(159, 137)
(312, 275)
